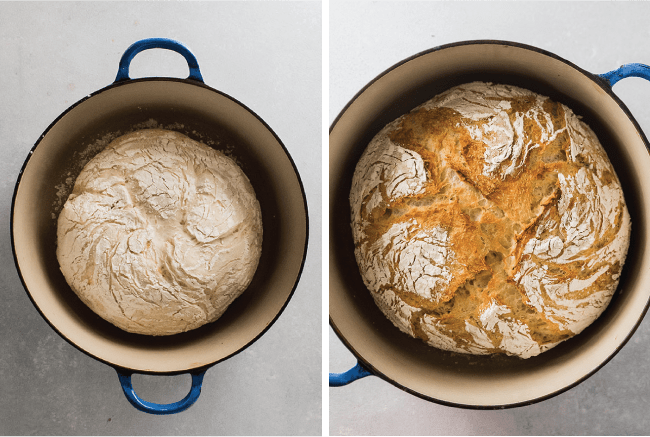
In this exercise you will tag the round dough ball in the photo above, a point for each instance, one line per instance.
(489, 220)
(160, 233)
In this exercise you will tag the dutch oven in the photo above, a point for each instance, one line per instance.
(482, 381)
(204, 114)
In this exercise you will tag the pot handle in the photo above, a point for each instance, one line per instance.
(160, 409)
(627, 70)
(345, 378)
(157, 43)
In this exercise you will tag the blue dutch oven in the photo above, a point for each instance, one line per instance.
(479, 381)
(205, 114)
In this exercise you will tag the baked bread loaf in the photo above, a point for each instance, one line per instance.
(489, 220)
(160, 233)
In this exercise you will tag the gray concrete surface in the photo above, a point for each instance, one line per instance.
(366, 38)
(268, 56)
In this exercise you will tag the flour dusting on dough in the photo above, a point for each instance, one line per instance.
(160, 233)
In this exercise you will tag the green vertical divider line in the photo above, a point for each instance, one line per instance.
(325, 218)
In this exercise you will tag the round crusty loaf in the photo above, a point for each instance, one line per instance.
(489, 220)
(160, 233)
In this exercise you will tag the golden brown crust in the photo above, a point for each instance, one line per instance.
(489, 220)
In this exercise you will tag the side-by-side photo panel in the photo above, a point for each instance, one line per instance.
(161, 204)
(487, 218)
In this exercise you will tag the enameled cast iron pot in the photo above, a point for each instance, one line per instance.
(204, 114)
(478, 381)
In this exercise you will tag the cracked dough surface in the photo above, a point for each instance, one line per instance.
(160, 233)
(489, 220)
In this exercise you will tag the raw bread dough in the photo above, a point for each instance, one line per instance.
(160, 233)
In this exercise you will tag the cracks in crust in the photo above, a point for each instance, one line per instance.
(511, 263)
(527, 233)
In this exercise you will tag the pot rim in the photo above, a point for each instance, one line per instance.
(133, 82)
(604, 85)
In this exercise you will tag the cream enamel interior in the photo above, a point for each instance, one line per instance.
(202, 112)
(466, 380)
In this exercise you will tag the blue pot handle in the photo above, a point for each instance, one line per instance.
(160, 409)
(627, 70)
(357, 372)
(157, 43)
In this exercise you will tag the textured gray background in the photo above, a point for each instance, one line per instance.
(366, 38)
(268, 56)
